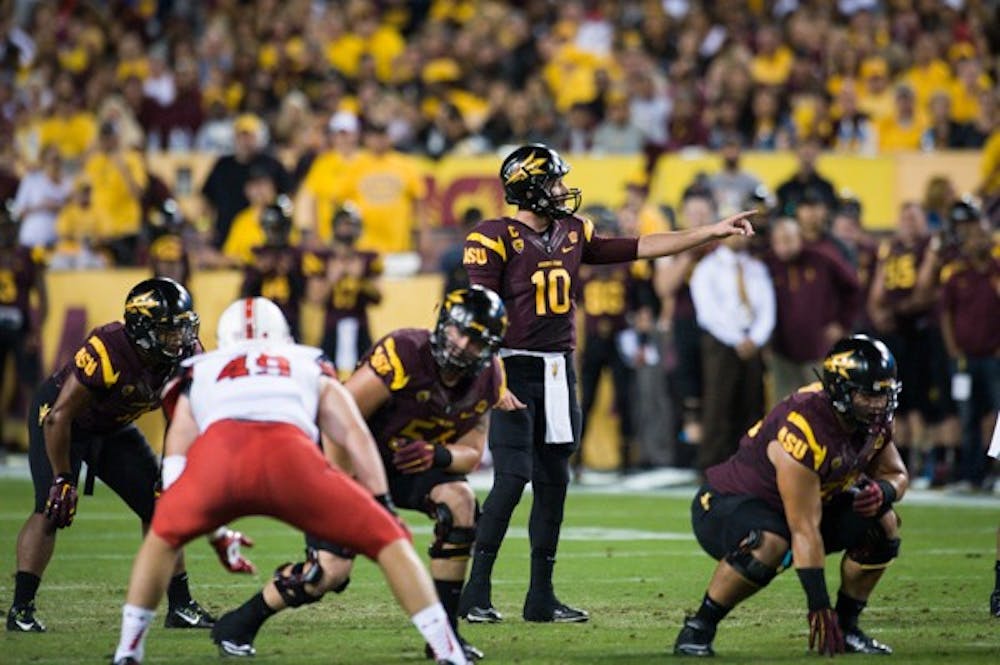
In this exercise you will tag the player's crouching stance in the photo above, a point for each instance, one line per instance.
(243, 442)
(427, 397)
(819, 474)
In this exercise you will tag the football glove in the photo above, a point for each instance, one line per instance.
(419, 456)
(61, 504)
(872, 498)
(227, 543)
(825, 633)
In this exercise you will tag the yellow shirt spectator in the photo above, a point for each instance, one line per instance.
(965, 102)
(925, 81)
(71, 135)
(245, 234)
(386, 189)
(114, 205)
(990, 166)
(893, 135)
(772, 69)
(327, 182)
(74, 223)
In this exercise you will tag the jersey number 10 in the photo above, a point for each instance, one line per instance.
(551, 291)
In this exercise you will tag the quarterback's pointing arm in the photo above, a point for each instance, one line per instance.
(664, 244)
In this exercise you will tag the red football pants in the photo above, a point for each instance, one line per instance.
(239, 467)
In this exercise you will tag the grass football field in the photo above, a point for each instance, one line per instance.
(629, 559)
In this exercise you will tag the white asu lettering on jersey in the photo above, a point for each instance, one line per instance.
(257, 380)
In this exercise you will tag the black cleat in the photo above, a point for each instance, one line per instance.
(21, 619)
(125, 661)
(191, 615)
(855, 641)
(231, 639)
(557, 613)
(995, 603)
(488, 614)
(695, 639)
(472, 652)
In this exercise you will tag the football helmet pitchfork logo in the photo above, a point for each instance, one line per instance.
(532, 165)
(841, 363)
(143, 303)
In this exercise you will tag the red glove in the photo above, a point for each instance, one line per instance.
(61, 504)
(873, 498)
(227, 545)
(824, 632)
(414, 457)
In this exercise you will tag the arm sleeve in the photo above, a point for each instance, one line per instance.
(610, 250)
(93, 366)
(802, 440)
(387, 361)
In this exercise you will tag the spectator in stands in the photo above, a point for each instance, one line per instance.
(69, 128)
(772, 129)
(323, 189)
(939, 195)
(389, 191)
(818, 298)
(813, 216)
(903, 129)
(245, 233)
(875, 97)
(118, 178)
(617, 134)
(185, 114)
(732, 185)
(805, 178)
(40, 196)
(853, 131)
(225, 188)
(942, 132)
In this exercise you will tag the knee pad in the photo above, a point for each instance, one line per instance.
(876, 550)
(445, 532)
(291, 582)
(749, 567)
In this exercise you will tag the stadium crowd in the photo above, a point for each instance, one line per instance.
(305, 103)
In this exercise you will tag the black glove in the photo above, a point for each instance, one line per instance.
(61, 504)
(824, 632)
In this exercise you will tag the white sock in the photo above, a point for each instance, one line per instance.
(135, 625)
(432, 622)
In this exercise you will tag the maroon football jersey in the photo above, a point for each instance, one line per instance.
(421, 406)
(536, 274)
(18, 272)
(806, 425)
(348, 296)
(277, 273)
(610, 293)
(122, 385)
(900, 267)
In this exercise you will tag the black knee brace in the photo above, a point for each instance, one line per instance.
(291, 582)
(749, 567)
(876, 550)
(445, 532)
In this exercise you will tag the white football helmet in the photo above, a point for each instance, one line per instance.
(252, 318)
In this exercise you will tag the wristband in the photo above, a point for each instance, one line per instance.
(814, 582)
(888, 494)
(386, 501)
(442, 457)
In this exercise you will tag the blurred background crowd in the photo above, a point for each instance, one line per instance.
(314, 115)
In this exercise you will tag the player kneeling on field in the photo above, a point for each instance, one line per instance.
(243, 441)
(819, 474)
(426, 396)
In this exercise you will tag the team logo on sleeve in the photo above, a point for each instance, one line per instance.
(517, 244)
(573, 237)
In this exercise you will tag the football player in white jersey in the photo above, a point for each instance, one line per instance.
(243, 441)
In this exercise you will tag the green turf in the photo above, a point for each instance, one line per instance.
(637, 583)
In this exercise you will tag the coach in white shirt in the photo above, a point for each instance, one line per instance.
(734, 304)
(40, 196)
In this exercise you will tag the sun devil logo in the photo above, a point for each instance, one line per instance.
(840, 363)
(143, 303)
(532, 165)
